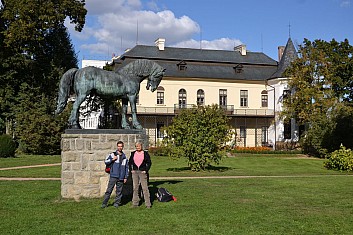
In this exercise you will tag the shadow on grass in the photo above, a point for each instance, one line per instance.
(209, 168)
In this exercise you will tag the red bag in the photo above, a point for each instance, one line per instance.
(108, 167)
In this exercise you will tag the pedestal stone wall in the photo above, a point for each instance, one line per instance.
(82, 159)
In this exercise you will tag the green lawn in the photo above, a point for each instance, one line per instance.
(311, 200)
(29, 160)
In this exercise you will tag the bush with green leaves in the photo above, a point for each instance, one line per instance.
(341, 159)
(7, 146)
(199, 134)
(158, 151)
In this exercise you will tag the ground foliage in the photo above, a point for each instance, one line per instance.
(7, 146)
(341, 159)
(199, 134)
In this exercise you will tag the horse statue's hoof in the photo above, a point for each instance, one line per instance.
(138, 127)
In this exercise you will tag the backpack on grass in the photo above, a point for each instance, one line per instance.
(164, 196)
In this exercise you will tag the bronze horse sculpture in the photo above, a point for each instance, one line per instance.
(123, 84)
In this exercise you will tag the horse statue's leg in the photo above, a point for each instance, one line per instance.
(124, 123)
(74, 117)
(135, 123)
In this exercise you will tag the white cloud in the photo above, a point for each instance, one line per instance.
(220, 44)
(345, 3)
(120, 24)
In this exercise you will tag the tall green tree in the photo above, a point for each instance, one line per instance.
(322, 84)
(199, 134)
(36, 51)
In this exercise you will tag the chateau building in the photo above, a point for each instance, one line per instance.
(249, 86)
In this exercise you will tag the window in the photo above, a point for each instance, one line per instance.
(160, 95)
(264, 133)
(287, 129)
(182, 66)
(182, 98)
(200, 97)
(222, 97)
(264, 99)
(238, 68)
(243, 98)
(242, 132)
(160, 126)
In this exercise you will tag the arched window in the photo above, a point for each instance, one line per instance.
(160, 95)
(200, 97)
(182, 98)
(264, 99)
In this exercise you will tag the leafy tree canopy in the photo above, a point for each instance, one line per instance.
(321, 77)
(322, 97)
(36, 51)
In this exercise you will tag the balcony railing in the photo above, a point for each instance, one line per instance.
(254, 112)
(163, 110)
(154, 110)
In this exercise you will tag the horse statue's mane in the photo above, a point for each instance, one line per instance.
(124, 84)
(139, 67)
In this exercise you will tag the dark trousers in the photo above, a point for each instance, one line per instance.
(119, 189)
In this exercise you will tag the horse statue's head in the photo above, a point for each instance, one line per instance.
(155, 77)
(143, 68)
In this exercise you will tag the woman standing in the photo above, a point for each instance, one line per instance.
(140, 163)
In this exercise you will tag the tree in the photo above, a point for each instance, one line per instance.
(36, 51)
(322, 85)
(37, 131)
(198, 134)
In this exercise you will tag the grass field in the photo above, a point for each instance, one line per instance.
(305, 199)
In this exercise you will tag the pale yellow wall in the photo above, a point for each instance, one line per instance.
(211, 89)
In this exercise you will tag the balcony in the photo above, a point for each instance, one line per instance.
(163, 110)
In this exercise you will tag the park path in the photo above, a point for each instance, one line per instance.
(23, 167)
(32, 166)
(163, 177)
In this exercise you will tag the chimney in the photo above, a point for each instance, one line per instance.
(280, 52)
(160, 42)
(241, 48)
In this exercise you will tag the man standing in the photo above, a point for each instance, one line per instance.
(119, 173)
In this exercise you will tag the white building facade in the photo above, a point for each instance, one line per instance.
(249, 86)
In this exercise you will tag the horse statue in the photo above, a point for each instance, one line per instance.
(123, 84)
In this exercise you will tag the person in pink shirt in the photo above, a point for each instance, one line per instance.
(140, 163)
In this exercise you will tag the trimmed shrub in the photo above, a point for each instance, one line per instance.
(199, 134)
(158, 151)
(341, 159)
(7, 146)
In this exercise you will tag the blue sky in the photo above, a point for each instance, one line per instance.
(262, 25)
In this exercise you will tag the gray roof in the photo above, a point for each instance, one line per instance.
(289, 55)
(189, 54)
(212, 64)
(219, 71)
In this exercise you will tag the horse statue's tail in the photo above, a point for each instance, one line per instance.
(64, 89)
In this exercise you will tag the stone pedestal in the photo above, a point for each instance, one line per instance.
(82, 159)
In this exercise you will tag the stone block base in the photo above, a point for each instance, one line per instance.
(82, 159)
